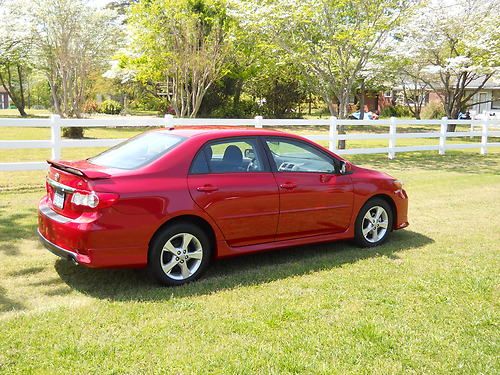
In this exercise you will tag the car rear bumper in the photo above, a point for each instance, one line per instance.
(85, 240)
(57, 250)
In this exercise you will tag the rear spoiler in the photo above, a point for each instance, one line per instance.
(67, 167)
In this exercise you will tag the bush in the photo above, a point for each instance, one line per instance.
(433, 110)
(75, 133)
(396, 111)
(244, 109)
(110, 107)
(149, 103)
(90, 106)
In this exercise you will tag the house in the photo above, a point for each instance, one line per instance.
(4, 98)
(486, 100)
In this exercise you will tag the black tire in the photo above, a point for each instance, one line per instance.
(371, 239)
(158, 255)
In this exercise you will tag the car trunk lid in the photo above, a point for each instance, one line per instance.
(66, 178)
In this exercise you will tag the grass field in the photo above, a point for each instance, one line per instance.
(425, 302)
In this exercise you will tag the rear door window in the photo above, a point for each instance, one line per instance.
(229, 156)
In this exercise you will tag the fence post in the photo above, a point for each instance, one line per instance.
(333, 134)
(442, 135)
(55, 135)
(169, 121)
(258, 122)
(392, 138)
(484, 137)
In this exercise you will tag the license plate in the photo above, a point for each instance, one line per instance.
(58, 199)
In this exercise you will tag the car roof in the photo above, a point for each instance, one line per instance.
(211, 132)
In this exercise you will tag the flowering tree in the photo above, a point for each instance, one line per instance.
(456, 47)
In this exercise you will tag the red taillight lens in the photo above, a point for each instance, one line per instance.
(93, 199)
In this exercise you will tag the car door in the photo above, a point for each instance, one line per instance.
(231, 180)
(314, 198)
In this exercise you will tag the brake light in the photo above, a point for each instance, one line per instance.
(94, 199)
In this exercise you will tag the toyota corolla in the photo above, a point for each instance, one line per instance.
(172, 200)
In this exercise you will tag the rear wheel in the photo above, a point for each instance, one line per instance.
(374, 223)
(179, 254)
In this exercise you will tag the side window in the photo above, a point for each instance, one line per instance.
(226, 156)
(295, 156)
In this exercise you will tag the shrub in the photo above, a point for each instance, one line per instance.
(244, 109)
(396, 111)
(433, 110)
(110, 107)
(149, 103)
(90, 106)
(76, 133)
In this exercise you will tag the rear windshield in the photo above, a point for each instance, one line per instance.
(137, 151)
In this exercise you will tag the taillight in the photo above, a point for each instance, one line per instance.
(93, 199)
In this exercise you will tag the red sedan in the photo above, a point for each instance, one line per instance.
(173, 200)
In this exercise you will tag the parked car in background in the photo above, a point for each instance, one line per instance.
(172, 200)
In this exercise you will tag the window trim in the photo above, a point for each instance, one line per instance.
(274, 167)
(493, 107)
(267, 168)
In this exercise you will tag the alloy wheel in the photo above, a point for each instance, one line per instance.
(181, 256)
(375, 224)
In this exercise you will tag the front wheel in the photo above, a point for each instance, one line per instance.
(374, 223)
(179, 254)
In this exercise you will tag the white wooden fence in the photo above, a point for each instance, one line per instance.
(487, 128)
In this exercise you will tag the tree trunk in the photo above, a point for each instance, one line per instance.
(9, 88)
(362, 100)
(343, 109)
(238, 86)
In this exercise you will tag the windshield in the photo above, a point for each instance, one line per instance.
(137, 151)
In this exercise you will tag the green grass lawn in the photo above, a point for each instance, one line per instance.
(425, 302)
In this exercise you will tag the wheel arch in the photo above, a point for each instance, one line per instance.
(387, 198)
(192, 219)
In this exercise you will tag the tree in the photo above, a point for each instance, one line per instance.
(15, 49)
(182, 47)
(71, 41)
(331, 40)
(457, 47)
(407, 72)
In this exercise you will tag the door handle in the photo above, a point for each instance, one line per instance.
(325, 177)
(288, 185)
(207, 188)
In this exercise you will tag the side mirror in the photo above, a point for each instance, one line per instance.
(249, 153)
(345, 167)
